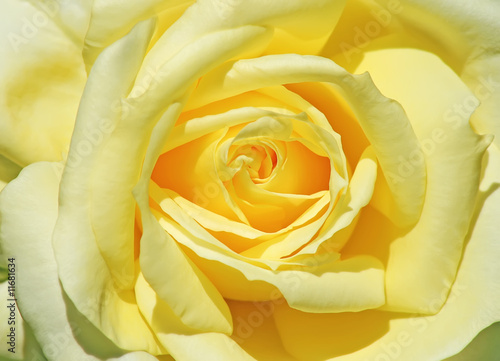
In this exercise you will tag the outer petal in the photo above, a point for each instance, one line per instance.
(88, 189)
(41, 81)
(61, 331)
(298, 26)
(111, 20)
(453, 152)
(205, 346)
(460, 33)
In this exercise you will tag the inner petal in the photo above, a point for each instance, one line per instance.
(259, 159)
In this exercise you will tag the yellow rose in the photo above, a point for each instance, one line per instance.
(254, 181)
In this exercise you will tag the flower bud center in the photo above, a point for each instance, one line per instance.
(258, 159)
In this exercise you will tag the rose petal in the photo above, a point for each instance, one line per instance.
(94, 200)
(42, 79)
(255, 330)
(296, 24)
(36, 270)
(453, 152)
(205, 346)
(180, 283)
(465, 41)
(323, 286)
(359, 193)
(111, 20)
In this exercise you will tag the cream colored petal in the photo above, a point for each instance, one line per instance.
(154, 85)
(157, 312)
(319, 337)
(112, 19)
(453, 152)
(457, 32)
(298, 26)
(359, 193)
(205, 346)
(317, 284)
(26, 344)
(95, 146)
(95, 215)
(42, 79)
(54, 321)
(179, 283)
(464, 36)
(71, 17)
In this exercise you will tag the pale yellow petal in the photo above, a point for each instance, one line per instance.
(453, 152)
(88, 188)
(359, 193)
(255, 330)
(33, 198)
(42, 79)
(321, 284)
(179, 283)
(112, 19)
(299, 26)
(205, 346)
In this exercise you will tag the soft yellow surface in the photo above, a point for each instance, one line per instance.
(227, 194)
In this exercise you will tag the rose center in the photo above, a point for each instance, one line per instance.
(259, 160)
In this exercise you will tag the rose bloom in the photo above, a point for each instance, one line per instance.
(250, 180)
